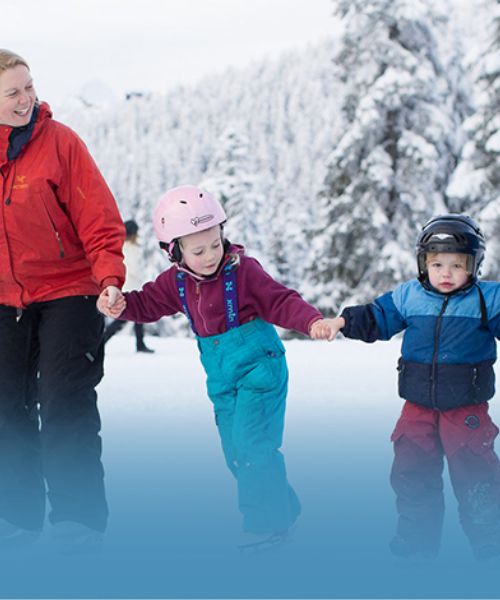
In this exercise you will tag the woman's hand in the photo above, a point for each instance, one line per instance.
(111, 302)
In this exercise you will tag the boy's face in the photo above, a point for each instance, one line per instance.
(447, 272)
(203, 251)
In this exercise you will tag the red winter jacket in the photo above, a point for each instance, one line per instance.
(60, 230)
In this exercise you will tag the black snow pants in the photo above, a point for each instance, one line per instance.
(51, 360)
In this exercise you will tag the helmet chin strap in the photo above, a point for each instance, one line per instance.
(484, 310)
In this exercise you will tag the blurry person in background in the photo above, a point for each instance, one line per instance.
(134, 279)
(61, 240)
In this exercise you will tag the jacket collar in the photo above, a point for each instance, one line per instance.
(14, 139)
(463, 291)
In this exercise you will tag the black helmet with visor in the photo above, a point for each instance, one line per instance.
(453, 233)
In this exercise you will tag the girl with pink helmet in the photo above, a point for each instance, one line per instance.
(231, 304)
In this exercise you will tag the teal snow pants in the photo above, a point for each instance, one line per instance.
(247, 382)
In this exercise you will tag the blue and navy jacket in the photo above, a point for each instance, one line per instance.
(449, 344)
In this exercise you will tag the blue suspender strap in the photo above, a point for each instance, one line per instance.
(230, 297)
(180, 280)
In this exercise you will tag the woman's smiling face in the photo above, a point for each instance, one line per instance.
(17, 96)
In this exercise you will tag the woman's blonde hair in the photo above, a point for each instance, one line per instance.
(9, 59)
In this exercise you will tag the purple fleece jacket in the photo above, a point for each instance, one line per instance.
(259, 295)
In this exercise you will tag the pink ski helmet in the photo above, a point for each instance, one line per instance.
(184, 210)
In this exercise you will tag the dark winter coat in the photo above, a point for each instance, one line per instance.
(259, 295)
(449, 344)
(60, 230)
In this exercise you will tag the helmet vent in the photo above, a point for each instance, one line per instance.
(182, 202)
(442, 236)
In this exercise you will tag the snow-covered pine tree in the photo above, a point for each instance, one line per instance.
(475, 185)
(286, 109)
(230, 179)
(388, 172)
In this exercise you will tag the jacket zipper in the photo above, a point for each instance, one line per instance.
(56, 233)
(437, 332)
(7, 202)
(59, 242)
(198, 285)
(198, 304)
(3, 184)
(5, 177)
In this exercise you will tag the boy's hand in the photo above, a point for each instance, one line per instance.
(111, 302)
(326, 329)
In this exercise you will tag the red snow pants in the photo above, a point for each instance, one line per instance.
(422, 438)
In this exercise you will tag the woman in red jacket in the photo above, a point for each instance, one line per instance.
(60, 245)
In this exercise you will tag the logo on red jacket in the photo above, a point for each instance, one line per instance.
(20, 183)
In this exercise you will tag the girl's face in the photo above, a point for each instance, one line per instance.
(17, 96)
(447, 272)
(202, 252)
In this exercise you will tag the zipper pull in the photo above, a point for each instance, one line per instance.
(19, 314)
(59, 242)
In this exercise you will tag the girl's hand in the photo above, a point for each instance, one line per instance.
(326, 329)
(111, 302)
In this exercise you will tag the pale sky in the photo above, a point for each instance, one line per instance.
(152, 44)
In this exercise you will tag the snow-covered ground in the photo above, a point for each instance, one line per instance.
(174, 522)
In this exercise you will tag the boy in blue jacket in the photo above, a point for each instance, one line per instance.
(450, 322)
